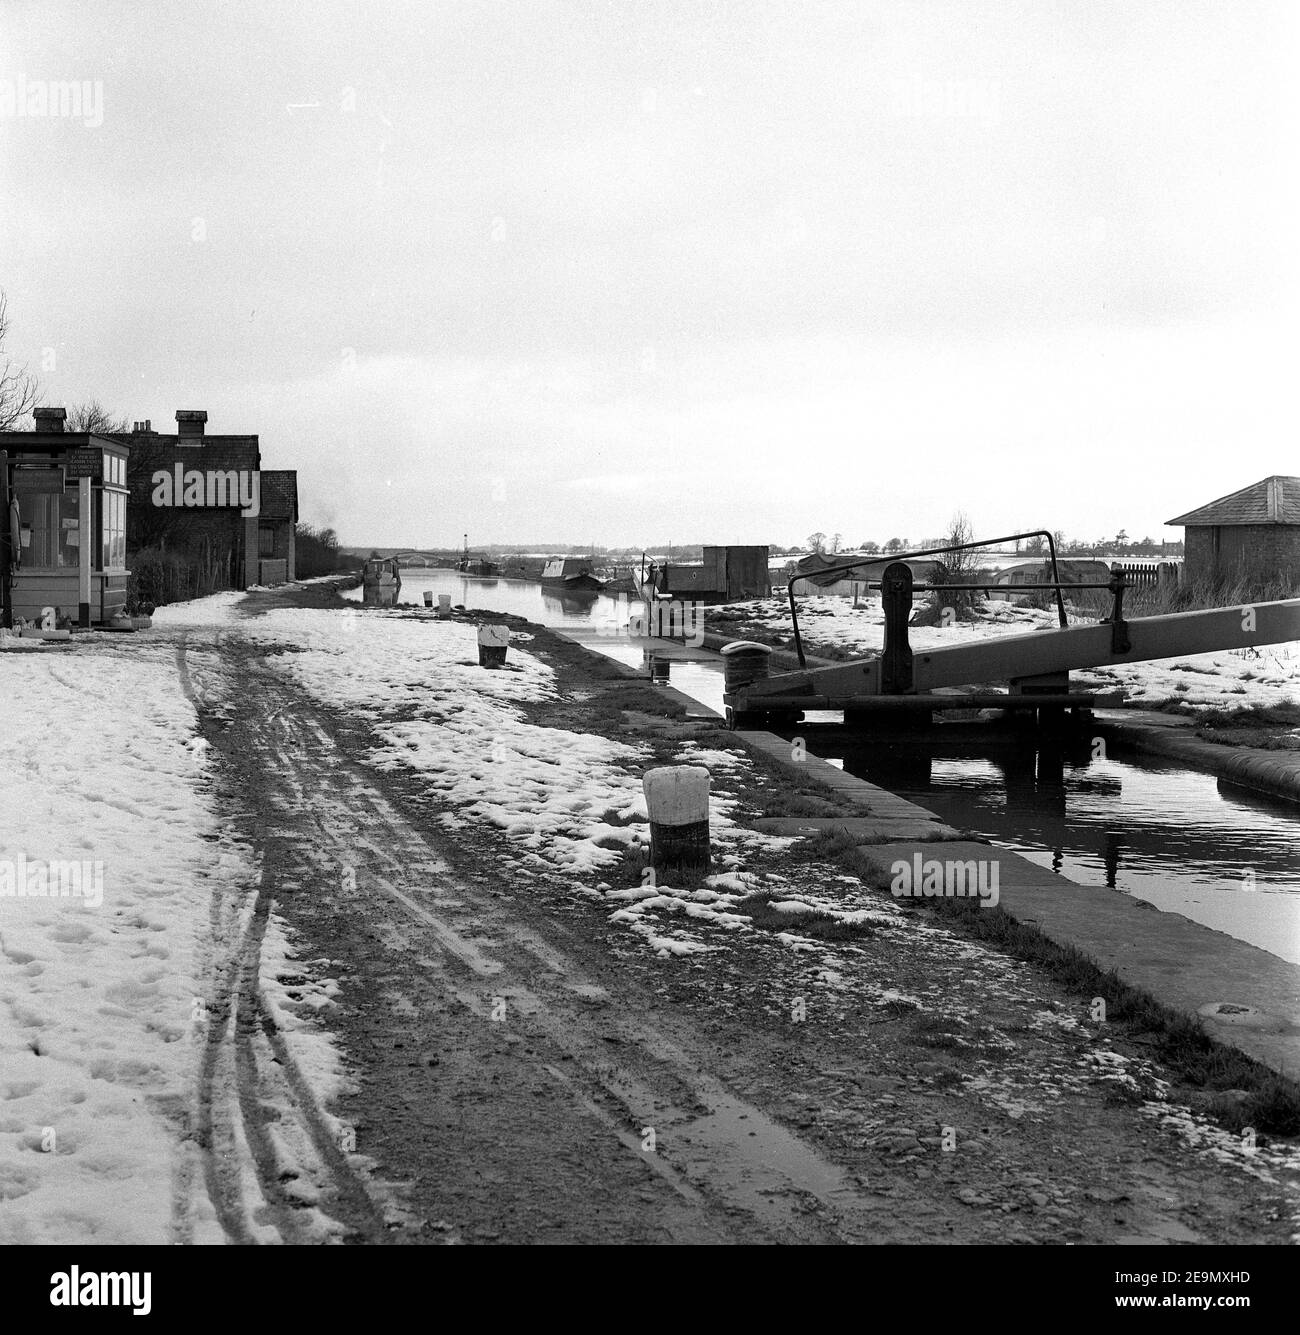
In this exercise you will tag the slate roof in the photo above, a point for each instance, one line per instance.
(155, 450)
(1272, 500)
(280, 493)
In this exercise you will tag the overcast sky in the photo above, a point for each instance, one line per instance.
(633, 272)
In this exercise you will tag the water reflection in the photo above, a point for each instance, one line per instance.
(657, 666)
(379, 595)
(1176, 838)
(566, 606)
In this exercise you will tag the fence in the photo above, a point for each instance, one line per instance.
(1143, 575)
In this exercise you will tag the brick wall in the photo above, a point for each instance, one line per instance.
(1253, 551)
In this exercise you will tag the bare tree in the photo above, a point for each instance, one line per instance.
(817, 541)
(960, 567)
(19, 390)
(93, 416)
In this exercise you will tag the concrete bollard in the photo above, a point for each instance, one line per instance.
(492, 644)
(428, 597)
(444, 606)
(744, 662)
(677, 799)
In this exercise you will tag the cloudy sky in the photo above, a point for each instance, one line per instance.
(566, 271)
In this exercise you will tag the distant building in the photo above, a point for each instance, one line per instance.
(1252, 534)
(209, 497)
(276, 526)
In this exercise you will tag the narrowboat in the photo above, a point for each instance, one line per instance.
(571, 574)
(381, 572)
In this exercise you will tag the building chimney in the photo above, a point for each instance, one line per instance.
(142, 427)
(189, 421)
(49, 419)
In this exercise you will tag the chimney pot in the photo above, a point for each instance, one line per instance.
(49, 419)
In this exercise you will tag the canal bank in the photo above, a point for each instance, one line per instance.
(1148, 949)
(1240, 994)
(1172, 735)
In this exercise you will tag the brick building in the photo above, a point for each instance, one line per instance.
(1253, 534)
(208, 496)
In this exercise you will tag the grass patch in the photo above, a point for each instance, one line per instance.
(1284, 715)
(1272, 1102)
(816, 923)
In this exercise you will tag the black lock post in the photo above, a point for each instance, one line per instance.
(896, 659)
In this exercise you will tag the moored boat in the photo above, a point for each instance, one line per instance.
(571, 574)
(381, 572)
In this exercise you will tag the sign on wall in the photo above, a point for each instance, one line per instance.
(84, 462)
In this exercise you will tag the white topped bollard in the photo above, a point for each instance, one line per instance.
(428, 597)
(492, 644)
(444, 606)
(677, 798)
(743, 662)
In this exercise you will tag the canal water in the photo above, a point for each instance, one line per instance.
(1183, 841)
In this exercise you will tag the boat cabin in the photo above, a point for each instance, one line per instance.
(725, 575)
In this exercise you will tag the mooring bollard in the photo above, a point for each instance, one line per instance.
(492, 644)
(428, 597)
(444, 606)
(678, 801)
(744, 662)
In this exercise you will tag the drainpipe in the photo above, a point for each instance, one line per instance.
(6, 569)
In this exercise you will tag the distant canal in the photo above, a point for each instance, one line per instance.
(1223, 856)
(521, 597)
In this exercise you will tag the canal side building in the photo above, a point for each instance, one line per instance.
(63, 498)
(1252, 534)
(208, 497)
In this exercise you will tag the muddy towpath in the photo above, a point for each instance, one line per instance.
(530, 1042)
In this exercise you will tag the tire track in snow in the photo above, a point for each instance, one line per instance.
(246, 1072)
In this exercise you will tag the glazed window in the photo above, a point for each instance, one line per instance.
(113, 530)
(51, 519)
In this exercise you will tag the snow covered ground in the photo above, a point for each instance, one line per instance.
(113, 859)
(99, 1042)
(97, 987)
(568, 801)
(1228, 680)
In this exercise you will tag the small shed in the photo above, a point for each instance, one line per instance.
(1252, 534)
